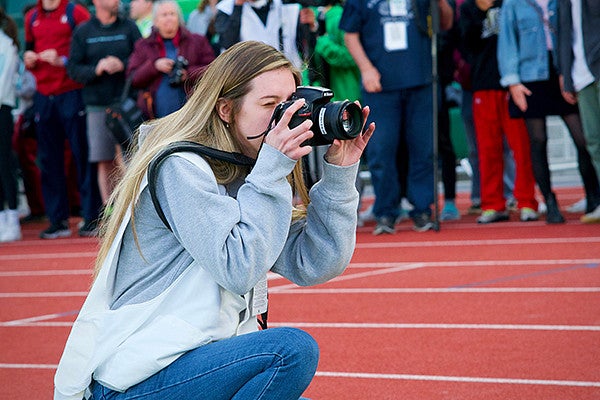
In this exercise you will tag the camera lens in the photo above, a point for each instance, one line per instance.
(341, 120)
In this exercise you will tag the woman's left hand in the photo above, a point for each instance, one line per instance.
(348, 152)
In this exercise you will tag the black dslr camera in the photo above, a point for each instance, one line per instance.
(176, 75)
(341, 120)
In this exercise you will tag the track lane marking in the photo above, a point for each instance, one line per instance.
(407, 377)
(364, 325)
(303, 290)
(367, 325)
(404, 267)
(469, 379)
(485, 242)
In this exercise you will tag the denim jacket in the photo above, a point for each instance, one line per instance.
(522, 51)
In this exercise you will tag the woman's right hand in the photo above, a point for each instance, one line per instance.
(288, 140)
(519, 94)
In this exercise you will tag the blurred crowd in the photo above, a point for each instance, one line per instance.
(506, 65)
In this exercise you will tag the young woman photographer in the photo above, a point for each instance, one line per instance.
(173, 312)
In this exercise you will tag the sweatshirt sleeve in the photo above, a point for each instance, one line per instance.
(320, 247)
(236, 239)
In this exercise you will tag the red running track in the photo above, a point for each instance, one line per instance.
(501, 311)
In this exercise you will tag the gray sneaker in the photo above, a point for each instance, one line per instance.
(384, 225)
(57, 230)
(422, 222)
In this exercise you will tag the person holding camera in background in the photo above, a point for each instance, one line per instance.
(167, 63)
(98, 58)
(173, 310)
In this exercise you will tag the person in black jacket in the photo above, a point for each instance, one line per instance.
(99, 53)
(479, 31)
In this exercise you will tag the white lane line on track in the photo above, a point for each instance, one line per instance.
(469, 379)
(487, 242)
(301, 290)
(407, 377)
(53, 272)
(42, 294)
(402, 267)
(39, 256)
(370, 265)
(32, 320)
(481, 263)
(442, 290)
(28, 366)
(366, 325)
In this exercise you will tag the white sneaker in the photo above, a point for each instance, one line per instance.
(578, 206)
(12, 228)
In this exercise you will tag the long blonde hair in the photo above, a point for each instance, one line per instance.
(228, 77)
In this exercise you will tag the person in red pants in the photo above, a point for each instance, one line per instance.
(479, 30)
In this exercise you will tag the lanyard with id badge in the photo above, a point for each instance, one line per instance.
(394, 32)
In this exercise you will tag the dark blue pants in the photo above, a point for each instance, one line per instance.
(58, 118)
(401, 115)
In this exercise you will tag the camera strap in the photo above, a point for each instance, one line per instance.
(191, 147)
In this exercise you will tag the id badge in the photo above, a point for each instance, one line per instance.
(259, 297)
(394, 36)
(398, 8)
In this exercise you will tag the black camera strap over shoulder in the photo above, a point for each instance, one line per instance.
(190, 147)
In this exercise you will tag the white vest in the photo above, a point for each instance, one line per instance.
(280, 15)
(123, 347)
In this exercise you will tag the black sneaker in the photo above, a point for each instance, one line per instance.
(88, 228)
(384, 225)
(422, 222)
(57, 230)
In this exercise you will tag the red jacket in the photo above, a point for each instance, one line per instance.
(53, 31)
(195, 48)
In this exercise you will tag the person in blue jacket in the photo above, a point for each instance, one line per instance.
(528, 67)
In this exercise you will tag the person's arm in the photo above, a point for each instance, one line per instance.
(331, 45)
(508, 57)
(371, 78)
(77, 68)
(320, 247)
(446, 15)
(565, 49)
(237, 240)
(141, 65)
(508, 46)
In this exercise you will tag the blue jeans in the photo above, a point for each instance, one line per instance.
(58, 118)
(404, 114)
(277, 363)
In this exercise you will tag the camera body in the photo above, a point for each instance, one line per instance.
(341, 120)
(176, 75)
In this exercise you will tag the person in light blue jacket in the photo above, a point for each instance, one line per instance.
(172, 313)
(527, 64)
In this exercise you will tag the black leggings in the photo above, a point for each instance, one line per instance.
(539, 156)
(8, 164)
